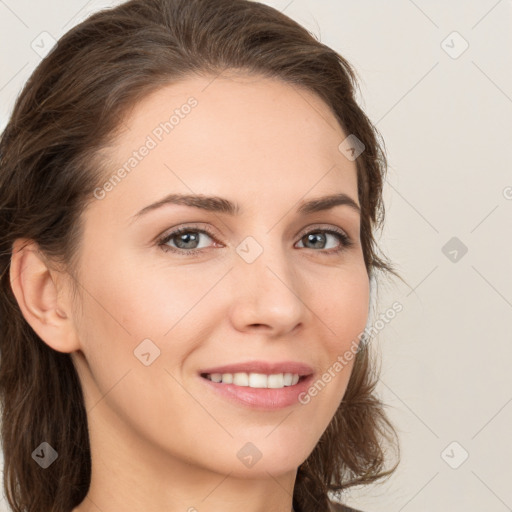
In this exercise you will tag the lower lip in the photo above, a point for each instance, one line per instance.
(261, 398)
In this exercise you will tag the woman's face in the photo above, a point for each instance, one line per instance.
(253, 285)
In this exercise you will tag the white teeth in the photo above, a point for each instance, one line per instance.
(241, 379)
(276, 380)
(227, 378)
(256, 380)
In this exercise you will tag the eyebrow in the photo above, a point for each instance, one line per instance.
(221, 205)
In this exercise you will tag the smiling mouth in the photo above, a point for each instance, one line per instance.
(256, 380)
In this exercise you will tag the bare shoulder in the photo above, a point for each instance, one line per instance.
(337, 507)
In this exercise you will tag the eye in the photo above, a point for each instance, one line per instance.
(319, 238)
(186, 240)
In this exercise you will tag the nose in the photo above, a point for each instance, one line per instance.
(268, 294)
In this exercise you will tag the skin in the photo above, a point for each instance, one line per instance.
(160, 440)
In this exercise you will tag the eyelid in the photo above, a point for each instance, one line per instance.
(209, 231)
(321, 226)
(191, 227)
(346, 240)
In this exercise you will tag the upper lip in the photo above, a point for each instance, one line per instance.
(266, 367)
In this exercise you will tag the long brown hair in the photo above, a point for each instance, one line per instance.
(50, 164)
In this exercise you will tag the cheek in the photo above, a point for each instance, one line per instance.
(122, 311)
(342, 313)
(148, 301)
(137, 309)
(343, 309)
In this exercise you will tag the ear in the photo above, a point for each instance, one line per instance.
(36, 287)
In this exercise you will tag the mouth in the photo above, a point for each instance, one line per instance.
(259, 390)
(256, 380)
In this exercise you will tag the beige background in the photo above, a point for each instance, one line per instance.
(446, 119)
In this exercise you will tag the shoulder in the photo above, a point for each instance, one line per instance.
(337, 507)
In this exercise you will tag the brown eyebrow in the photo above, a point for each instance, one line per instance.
(222, 205)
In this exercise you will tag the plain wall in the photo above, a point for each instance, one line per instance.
(445, 117)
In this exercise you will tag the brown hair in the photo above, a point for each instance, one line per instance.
(71, 108)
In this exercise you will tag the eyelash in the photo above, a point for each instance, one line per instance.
(346, 241)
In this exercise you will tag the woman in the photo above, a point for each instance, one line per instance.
(189, 193)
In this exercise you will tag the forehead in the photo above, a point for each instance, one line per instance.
(233, 135)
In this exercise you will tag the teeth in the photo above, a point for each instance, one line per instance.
(227, 378)
(256, 380)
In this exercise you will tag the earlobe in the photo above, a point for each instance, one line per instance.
(35, 287)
